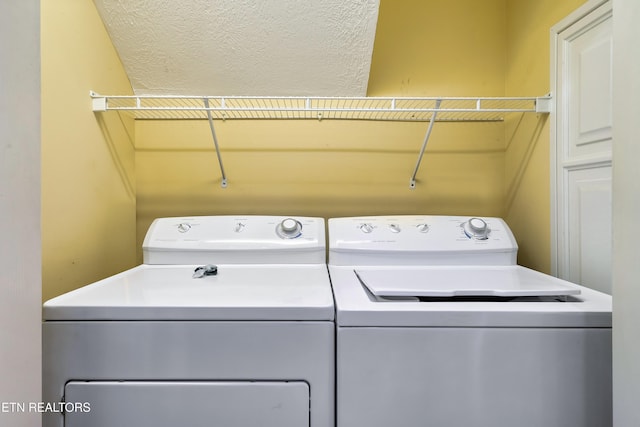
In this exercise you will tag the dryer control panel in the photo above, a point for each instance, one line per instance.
(235, 239)
(421, 240)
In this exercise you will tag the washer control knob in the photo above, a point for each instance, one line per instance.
(395, 228)
(476, 228)
(423, 228)
(239, 227)
(183, 227)
(289, 228)
(366, 227)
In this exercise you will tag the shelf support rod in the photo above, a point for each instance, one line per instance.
(412, 182)
(215, 142)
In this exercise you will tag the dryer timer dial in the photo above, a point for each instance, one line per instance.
(289, 228)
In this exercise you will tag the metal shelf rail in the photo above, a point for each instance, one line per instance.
(409, 109)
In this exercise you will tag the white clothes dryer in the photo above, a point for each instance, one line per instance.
(228, 322)
(438, 326)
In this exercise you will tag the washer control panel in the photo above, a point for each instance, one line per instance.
(235, 238)
(422, 239)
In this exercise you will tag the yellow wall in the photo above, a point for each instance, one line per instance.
(88, 179)
(334, 168)
(527, 202)
(328, 168)
(439, 48)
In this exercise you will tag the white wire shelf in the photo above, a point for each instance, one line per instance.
(319, 108)
(434, 109)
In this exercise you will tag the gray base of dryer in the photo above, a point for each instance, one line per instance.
(192, 373)
(474, 377)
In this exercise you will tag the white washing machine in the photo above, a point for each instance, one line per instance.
(229, 322)
(438, 326)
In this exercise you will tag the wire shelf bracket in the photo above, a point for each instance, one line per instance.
(412, 181)
(215, 143)
(408, 109)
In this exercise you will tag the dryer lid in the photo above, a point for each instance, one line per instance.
(463, 281)
(237, 292)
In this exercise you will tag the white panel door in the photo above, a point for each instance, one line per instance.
(582, 146)
(589, 227)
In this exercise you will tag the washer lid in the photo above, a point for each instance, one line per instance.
(357, 306)
(236, 292)
(462, 281)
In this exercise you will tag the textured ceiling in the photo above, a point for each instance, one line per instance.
(242, 47)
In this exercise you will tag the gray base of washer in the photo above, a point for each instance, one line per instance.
(474, 377)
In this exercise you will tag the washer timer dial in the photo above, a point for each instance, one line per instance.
(476, 228)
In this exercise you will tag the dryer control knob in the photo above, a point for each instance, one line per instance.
(476, 228)
(183, 227)
(366, 227)
(289, 228)
(423, 228)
